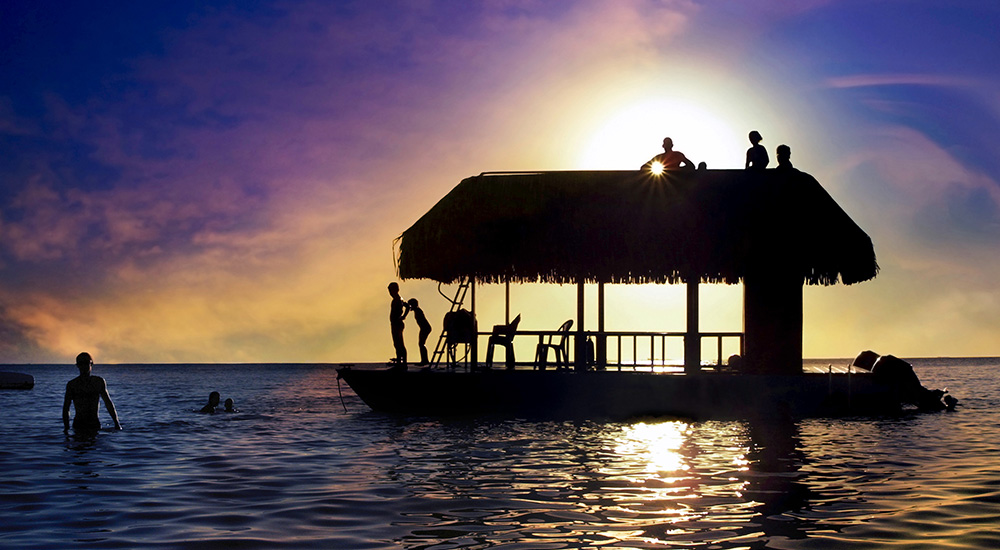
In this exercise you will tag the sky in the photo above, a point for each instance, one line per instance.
(223, 181)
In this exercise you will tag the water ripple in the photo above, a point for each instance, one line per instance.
(293, 470)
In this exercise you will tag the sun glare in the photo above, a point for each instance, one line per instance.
(656, 167)
(632, 136)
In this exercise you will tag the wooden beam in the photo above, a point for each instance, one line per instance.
(692, 339)
(506, 295)
(602, 339)
(474, 351)
(580, 359)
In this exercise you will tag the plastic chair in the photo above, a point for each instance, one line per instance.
(503, 335)
(561, 348)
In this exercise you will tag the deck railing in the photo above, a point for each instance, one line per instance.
(638, 350)
(621, 349)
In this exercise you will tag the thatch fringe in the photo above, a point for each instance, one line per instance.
(631, 227)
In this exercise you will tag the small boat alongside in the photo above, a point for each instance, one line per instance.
(771, 231)
(16, 381)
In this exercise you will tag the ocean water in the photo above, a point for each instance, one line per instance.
(294, 469)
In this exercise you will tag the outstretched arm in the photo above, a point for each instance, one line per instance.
(110, 405)
(66, 402)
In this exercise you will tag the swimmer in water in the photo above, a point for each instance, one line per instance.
(85, 393)
(213, 403)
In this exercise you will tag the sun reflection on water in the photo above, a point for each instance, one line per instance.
(675, 480)
(656, 444)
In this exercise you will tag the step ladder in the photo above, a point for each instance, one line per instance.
(442, 345)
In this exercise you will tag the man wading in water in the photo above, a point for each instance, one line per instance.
(85, 392)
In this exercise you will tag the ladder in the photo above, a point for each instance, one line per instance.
(442, 345)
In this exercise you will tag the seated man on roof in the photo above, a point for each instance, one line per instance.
(784, 153)
(667, 160)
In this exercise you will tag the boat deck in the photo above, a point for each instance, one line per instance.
(661, 369)
(612, 394)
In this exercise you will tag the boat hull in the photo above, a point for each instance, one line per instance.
(16, 381)
(618, 395)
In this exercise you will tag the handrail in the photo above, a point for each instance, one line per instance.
(636, 349)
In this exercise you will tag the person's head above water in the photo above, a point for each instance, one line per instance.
(755, 137)
(213, 398)
(84, 362)
(230, 404)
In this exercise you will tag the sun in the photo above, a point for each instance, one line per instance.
(630, 137)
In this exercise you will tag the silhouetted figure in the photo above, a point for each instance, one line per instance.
(702, 166)
(784, 154)
(898, 374)
(425, 328)
(757, 154)
(668, 159)
(213, 403)
(85, 392)
(397, 310)
(230, 405)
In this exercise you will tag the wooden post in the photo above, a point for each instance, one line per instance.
(506, 296)
(474, 348)
(580, 359)
(772, 321)
(692, 339)
(602, 339)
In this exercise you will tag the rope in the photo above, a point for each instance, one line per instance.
(445, 296)
(341, 393)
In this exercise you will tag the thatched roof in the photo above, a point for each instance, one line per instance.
(633, 227)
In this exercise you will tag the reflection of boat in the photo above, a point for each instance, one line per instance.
(772, 231)
(16, 381)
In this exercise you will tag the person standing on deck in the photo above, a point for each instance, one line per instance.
(668, 159)
(397, 311)
(757, 154)
(425, 328)
(85, 392)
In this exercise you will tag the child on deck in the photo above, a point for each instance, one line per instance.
(425, 328)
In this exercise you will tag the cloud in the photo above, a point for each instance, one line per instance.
(257, 170)
(232, 193)
(928, 79)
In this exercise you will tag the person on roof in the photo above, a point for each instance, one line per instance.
(756, 154)
(667, 160)
(784, 153)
